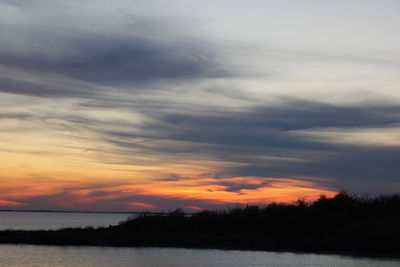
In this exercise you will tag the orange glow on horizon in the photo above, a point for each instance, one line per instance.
(208, 191)
(58, 170)
(10, 203)
(141, 205)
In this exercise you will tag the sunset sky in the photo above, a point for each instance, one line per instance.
(152, 105)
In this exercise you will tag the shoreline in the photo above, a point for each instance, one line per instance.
(344, 253)
(345, 225)
(113, 237)
(100, 212)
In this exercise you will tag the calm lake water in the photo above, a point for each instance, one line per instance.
(56, 220)
(50, 256)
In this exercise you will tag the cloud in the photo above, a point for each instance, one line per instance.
(70, 199)
(197, 193)
(51, 54)
(172, 177)
(258, 130)
(8, 203)
(16, 116)
(262, 141)
(238, 187)
(121, 60)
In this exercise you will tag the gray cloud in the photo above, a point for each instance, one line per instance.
(238, 187)
(368, 170)
(261, 138)
(17, 116)
(256, 129)
(45, 55)
(46, 88)
(172, 177)
(119, 60)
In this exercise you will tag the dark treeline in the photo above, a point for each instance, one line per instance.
(344, 223)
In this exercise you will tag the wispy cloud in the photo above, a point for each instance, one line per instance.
(184, 97)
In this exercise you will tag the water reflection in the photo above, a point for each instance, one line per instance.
(50, 256)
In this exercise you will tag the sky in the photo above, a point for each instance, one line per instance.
(153, 105)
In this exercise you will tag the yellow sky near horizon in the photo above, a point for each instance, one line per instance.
(42, 164)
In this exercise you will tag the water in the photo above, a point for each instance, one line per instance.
(50, 256)
(56, 220)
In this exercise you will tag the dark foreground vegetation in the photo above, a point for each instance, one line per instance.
(346, 223)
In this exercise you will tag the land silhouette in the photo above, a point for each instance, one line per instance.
(345, 223)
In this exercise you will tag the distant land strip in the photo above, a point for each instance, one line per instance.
(346, 223)
(77, 211)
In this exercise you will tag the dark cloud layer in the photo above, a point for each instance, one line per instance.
(42, 88)
(262, 138)
(238, 187)
(268, 127)
(61, 58)
(294, 115)
(111, 60)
